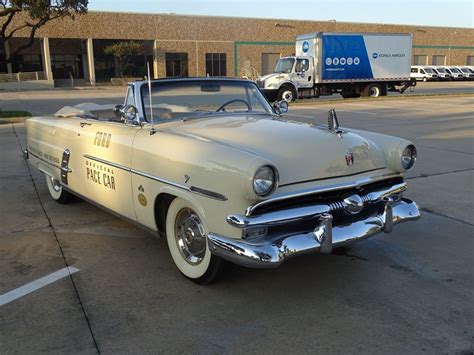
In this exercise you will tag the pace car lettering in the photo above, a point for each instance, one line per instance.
(100, 174)
(102, 139)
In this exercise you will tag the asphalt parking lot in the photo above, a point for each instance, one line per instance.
(407, 292)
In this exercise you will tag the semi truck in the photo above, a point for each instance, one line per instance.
(350, 64)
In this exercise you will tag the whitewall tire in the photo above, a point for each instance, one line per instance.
(186, 234)
(56, 190)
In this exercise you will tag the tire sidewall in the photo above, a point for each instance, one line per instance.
(188, 270)
(56, 195)
(374, 87)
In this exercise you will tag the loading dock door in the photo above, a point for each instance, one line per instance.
(268, 62)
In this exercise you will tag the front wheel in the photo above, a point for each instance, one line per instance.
(287, 93)
(57, 192)
(187, 242)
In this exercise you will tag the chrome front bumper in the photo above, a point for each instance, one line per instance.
(270, 252)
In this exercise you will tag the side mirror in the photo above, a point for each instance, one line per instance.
(129, 114)
(118, 111)
(280, 107)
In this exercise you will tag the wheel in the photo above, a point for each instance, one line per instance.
(287, 93)
(57, 192)
(372, 90)
(425, 79)
(187, 242)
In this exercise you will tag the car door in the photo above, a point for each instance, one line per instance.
(106, 164)
(303, 74)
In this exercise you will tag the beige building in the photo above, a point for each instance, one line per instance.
(71, 52)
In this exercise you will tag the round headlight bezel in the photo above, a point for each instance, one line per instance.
(259, 174)
(408, 157)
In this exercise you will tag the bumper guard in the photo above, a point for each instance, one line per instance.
(268, 252)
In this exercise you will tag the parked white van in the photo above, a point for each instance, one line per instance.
(455, 73)
(442, 73)
(467, 73)
(423, 73)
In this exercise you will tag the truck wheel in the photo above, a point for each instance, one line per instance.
(372, 90)
(287, 93)
(187, 242)
(57, 192)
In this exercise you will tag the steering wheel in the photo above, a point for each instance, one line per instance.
(231, 102)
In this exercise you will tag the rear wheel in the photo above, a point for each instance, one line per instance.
(372, 90)
(187, 241)
(57, 192)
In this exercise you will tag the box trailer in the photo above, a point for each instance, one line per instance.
(351, 64)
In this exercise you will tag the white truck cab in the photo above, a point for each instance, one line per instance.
(423, 73)
(291, 74)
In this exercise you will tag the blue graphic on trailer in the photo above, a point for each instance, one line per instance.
(305, 46)
(345, 57)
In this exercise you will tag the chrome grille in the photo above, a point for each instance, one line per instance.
(332, 198)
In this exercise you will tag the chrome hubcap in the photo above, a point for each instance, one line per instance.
(190, 236)
(374, 92)
(287, 96)
(55, 183)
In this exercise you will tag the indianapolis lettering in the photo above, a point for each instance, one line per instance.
(100, 175)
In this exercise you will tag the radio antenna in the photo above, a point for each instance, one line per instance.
(151, 102)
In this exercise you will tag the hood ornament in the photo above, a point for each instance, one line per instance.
(333, 123)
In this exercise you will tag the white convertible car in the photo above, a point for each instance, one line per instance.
(215, 168)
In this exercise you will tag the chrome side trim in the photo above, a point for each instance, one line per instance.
(326, 188)
(99, 160)
(272, 250)
(196, 190)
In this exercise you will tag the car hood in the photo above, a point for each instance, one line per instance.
(300, 152)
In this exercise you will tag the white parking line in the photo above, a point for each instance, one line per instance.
(36, 285)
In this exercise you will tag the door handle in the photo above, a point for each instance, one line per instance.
(85, 124)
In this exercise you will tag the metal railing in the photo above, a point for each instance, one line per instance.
(22, 76)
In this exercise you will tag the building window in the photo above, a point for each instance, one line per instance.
(269, 61)
(438, 60)
(27, 63)
(216, 64)
(470, 60)
(65, 66)
(420, 59)
(176, 64)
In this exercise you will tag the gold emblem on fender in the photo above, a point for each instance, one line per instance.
(142, 199)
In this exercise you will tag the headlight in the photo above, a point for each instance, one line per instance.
(264, 181)
(408, 157)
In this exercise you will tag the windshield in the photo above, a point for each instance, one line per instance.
(284, 65)
(429, 70)
(465, 70)
(187, 99)
(455, 70)
(441, 70)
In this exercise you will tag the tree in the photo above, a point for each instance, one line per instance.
(30, 15)
(124, 51)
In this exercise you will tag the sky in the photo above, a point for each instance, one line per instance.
(457, 13)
